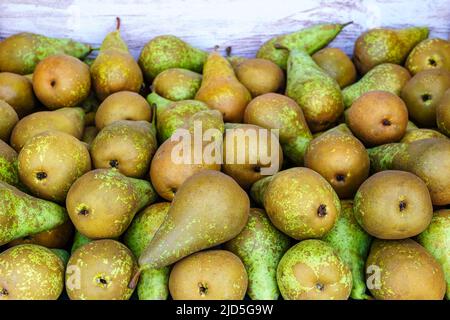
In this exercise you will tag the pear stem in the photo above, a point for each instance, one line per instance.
(134, 281)
(346, 24)
(228, 51)
(117, 23)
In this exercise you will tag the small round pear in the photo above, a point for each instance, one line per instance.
(177, 84)
(429, 54)
(8, 119)
(17, 91)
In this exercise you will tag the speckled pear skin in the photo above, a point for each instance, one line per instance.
(209, 209)
(443, 114)
(429, 159)
(429, 54)
(115, 69)
(9, 172)
(221, 90)
(79, 240)
(30, 272)
(17, 91)
(318, 94)
(312, 39)
(153, 283)
(322, 268)
(421, 134)
(177, 84)
(167, 51)
(382, 45)
(385, 77)
(91, 210)
(22, 214)
(260, 246)
(352, 244)
(21, 52)
(105, 268)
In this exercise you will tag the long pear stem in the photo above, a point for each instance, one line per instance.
(117, 23)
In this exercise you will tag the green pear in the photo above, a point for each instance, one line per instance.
(352, 244)
(384, 77)
(177, 84)
(153, 283)
(260, 246)
(62, 254)
(436, 239)
(22, 214)
(382, 45)
(79, 240)
(21, 52)
(167, 51)
(115, 69)
(312, 39)
(209, 209)
(9, 171)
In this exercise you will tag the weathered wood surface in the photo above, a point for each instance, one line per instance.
(244, 25)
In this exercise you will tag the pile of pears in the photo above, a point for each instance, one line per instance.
(94, 207)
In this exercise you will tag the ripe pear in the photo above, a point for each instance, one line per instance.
(443, 114)
(382, 45)
(318, 94)
(436, 239)
(276, 111)
(312, 270)
(384, 77)
(17, 91)
(20, 53)
(429, 159)
(123, 105)
(221, 90)
(91, 210)
(50, 162)
(100, 270)
(337, 64)
(89, 135)
(403, 270)
(429, 54)
(340, 158)
(209, 209)
(311, 39)
(421, 134)
(79, 240)
(61, 81)
(260, 246)
(299, 202)
(9, 118)
(209, 275)
(9, 171)
(126, 145)
(153, 283)
(67, 120)
(166, 52)
(22, 215)
(115, 69)
(30, 272)
(177, 84)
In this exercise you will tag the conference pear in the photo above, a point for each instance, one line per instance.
(429, 54)
(9, 171)
(9, 119)
(79, 240)
(443, 114)
(337, 64)
(177, 84)
(17, 91)
(421, 134)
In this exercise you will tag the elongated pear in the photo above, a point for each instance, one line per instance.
(9, 172)
(312, 39)
(21, 52)
(209, 209)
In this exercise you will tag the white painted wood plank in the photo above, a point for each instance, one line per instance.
(244, 25)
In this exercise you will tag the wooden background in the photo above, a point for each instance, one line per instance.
(244, 25)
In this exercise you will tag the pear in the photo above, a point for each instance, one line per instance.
(384, 77)
(62, 254)
(50, 162)
(91, 210)
(337, 64)
(429, 159)
(312, 270)
(20, 53)
(382, 45)
(403, 270)
(311, 39)
(317, 93)
(340, 158)
(436, 239)
(209, 209)
(299, 202)
(221, 90)
(429, 54)
(126, 145)
(443, 114)
(22, 215)
(61, 81)
(352, 245)
(100, 270)
(123, 105)
(79, 240)
(30, 272)
(177, 84)
(276, 111)
(166, 52)
(9, 171)
(67, 120)
(260, 246)
(17, 91)
(153, 283)
(9, 119)
(421, 134)
(115, 69)
(89, 135)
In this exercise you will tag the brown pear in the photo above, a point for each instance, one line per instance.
(9, 118)
(429, 54)
(17, 91)
(421, 134)
(443, 114)
(337, 64)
